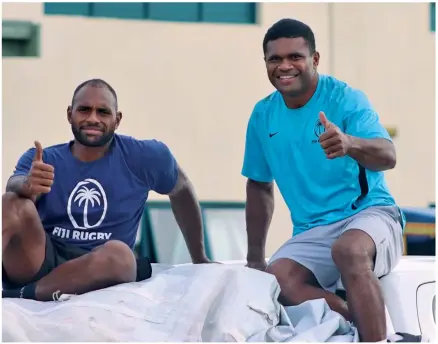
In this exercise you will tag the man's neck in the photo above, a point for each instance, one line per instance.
(88, 154)
(301, 100)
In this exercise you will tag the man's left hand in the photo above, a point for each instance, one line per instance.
(334, 142)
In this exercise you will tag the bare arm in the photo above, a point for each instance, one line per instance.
(259, 211)
(187, 212)
(16, 184)
(19, 185)
(374, 154)
(39, 177)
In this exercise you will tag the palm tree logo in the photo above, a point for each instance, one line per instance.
(87, 196)
(319, 128)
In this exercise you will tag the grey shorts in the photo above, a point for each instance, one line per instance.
(312, 248)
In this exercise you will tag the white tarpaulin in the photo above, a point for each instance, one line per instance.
(206, 303)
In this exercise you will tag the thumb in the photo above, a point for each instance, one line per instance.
(324, 121)
(38, 152)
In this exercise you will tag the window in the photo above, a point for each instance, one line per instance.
(229, 12)
(182, 11)
(20, 39)
(133, 10)
(224, 232)
(432, 16)
(232, 12)
(69, 8)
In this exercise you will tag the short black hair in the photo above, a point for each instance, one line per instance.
(95, 83)
(290, 28)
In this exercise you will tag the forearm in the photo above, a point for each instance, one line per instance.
(373, 154)
(259, 211)
(187, 212)
(18, 185)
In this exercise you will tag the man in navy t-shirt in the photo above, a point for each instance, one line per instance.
(71, 211)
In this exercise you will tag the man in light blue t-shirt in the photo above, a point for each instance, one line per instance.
(322, 143)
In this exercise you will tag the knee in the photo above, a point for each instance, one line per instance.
(283, 270)
(17, 211)
(352, 256)
(278, 269)
(291, 277)
(11, 202)
(116, 260)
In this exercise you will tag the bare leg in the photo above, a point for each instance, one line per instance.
(298, 284)
(112, 263)
(354, 254)
(24, 243)
(23, 238)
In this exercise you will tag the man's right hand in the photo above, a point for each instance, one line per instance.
(258, 265)
(41, 175)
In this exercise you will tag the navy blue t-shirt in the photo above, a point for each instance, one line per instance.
(93, 202)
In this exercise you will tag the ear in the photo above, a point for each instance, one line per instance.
(316, 57)
(69, 113)
(119, 116)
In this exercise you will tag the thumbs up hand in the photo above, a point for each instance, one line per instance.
(334, 142)
(40, 177)
(38, 152)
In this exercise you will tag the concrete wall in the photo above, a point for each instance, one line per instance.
(193, 86)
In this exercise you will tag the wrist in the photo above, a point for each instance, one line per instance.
(353, 144)
(255, 254)
(200, 260)
(26, 192)
(199, 256)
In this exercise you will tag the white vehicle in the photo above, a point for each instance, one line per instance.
(216, 303)
(410, 292)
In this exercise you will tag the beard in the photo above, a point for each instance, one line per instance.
(85, 140)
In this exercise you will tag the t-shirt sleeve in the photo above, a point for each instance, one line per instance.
(159, 166)
(255, 166)
(361, 120)
(24, 163)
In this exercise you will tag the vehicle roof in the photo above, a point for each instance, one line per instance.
(415, 263)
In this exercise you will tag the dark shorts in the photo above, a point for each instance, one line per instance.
(57, 253)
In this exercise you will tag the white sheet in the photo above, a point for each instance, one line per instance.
(186, 303)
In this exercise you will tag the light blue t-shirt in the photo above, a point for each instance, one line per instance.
(282, 145)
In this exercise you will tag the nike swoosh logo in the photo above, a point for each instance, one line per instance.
(270, 135)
